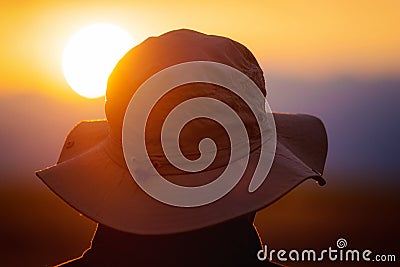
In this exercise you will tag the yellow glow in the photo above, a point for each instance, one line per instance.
(90, 56)
(305, 39)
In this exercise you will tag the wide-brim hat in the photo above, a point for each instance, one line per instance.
(96, 173)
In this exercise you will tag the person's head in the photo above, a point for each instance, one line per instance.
(189, 141)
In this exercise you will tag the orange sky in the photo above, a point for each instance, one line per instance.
(293, 38)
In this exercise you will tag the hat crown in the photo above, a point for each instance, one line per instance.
(175, 47)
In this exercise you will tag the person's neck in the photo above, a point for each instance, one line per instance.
(230, 242)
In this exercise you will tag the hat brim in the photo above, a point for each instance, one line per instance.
(93, 183)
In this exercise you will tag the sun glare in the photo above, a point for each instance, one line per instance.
(90, 56)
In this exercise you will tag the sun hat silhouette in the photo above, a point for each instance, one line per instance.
(154, 166)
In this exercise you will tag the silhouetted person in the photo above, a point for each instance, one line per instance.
(194, 206)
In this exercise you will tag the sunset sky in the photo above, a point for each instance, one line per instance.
(292, 38)
(338, 60)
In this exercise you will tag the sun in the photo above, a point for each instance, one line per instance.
(91, 54)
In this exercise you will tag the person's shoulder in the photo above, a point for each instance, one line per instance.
(77, 262)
